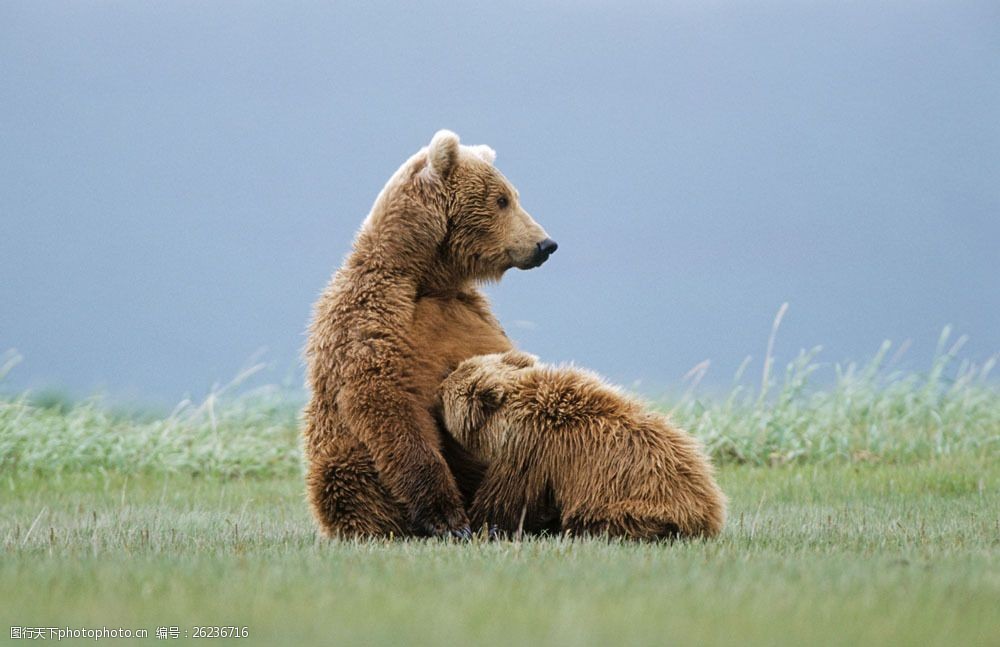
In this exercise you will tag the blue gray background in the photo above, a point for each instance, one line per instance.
(179, 179)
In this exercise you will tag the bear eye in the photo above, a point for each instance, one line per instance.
(502, 202)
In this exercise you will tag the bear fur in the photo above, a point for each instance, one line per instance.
(400, 314)
(566, 451)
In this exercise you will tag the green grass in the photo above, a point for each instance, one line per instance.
(872, 412)
(817, 554)
(864, 510)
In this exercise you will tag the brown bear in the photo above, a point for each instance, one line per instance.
(567, 451)
(401, 313)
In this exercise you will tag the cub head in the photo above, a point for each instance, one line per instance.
(487, 231)
(473, 398)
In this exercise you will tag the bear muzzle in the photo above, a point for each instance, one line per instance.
(543, 250)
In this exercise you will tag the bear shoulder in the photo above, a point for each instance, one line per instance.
(568, 396)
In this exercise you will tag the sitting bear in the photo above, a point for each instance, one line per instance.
(566, 451)
(402, 312)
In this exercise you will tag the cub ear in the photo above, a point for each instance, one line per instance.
(443, 152)
(484, 153)
(467, 407)
(491, 397)
(517, 359)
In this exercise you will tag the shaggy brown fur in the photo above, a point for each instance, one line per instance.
(565, 450)
(399, 315)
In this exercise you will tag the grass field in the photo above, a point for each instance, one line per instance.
(862, 511)
(819, 554)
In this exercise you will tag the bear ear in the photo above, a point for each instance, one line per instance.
(517, 359)
(484, 153)
(443, 152)
(491, 397)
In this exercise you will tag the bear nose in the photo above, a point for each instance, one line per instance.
(547, 246)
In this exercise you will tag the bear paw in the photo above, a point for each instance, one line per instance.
(444, 523)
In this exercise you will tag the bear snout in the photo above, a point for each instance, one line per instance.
(547, 247)
(543, 250)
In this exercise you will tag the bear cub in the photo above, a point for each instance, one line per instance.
(567, 451)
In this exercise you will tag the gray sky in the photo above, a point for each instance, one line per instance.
(179, 179)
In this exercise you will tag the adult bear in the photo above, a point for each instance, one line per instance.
(399, 315)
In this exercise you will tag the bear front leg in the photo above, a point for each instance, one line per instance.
(396, 433)
(467, 470)
(501, 503)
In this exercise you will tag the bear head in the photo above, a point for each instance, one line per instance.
(451, 217)
(473, 398)
(487, 230)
